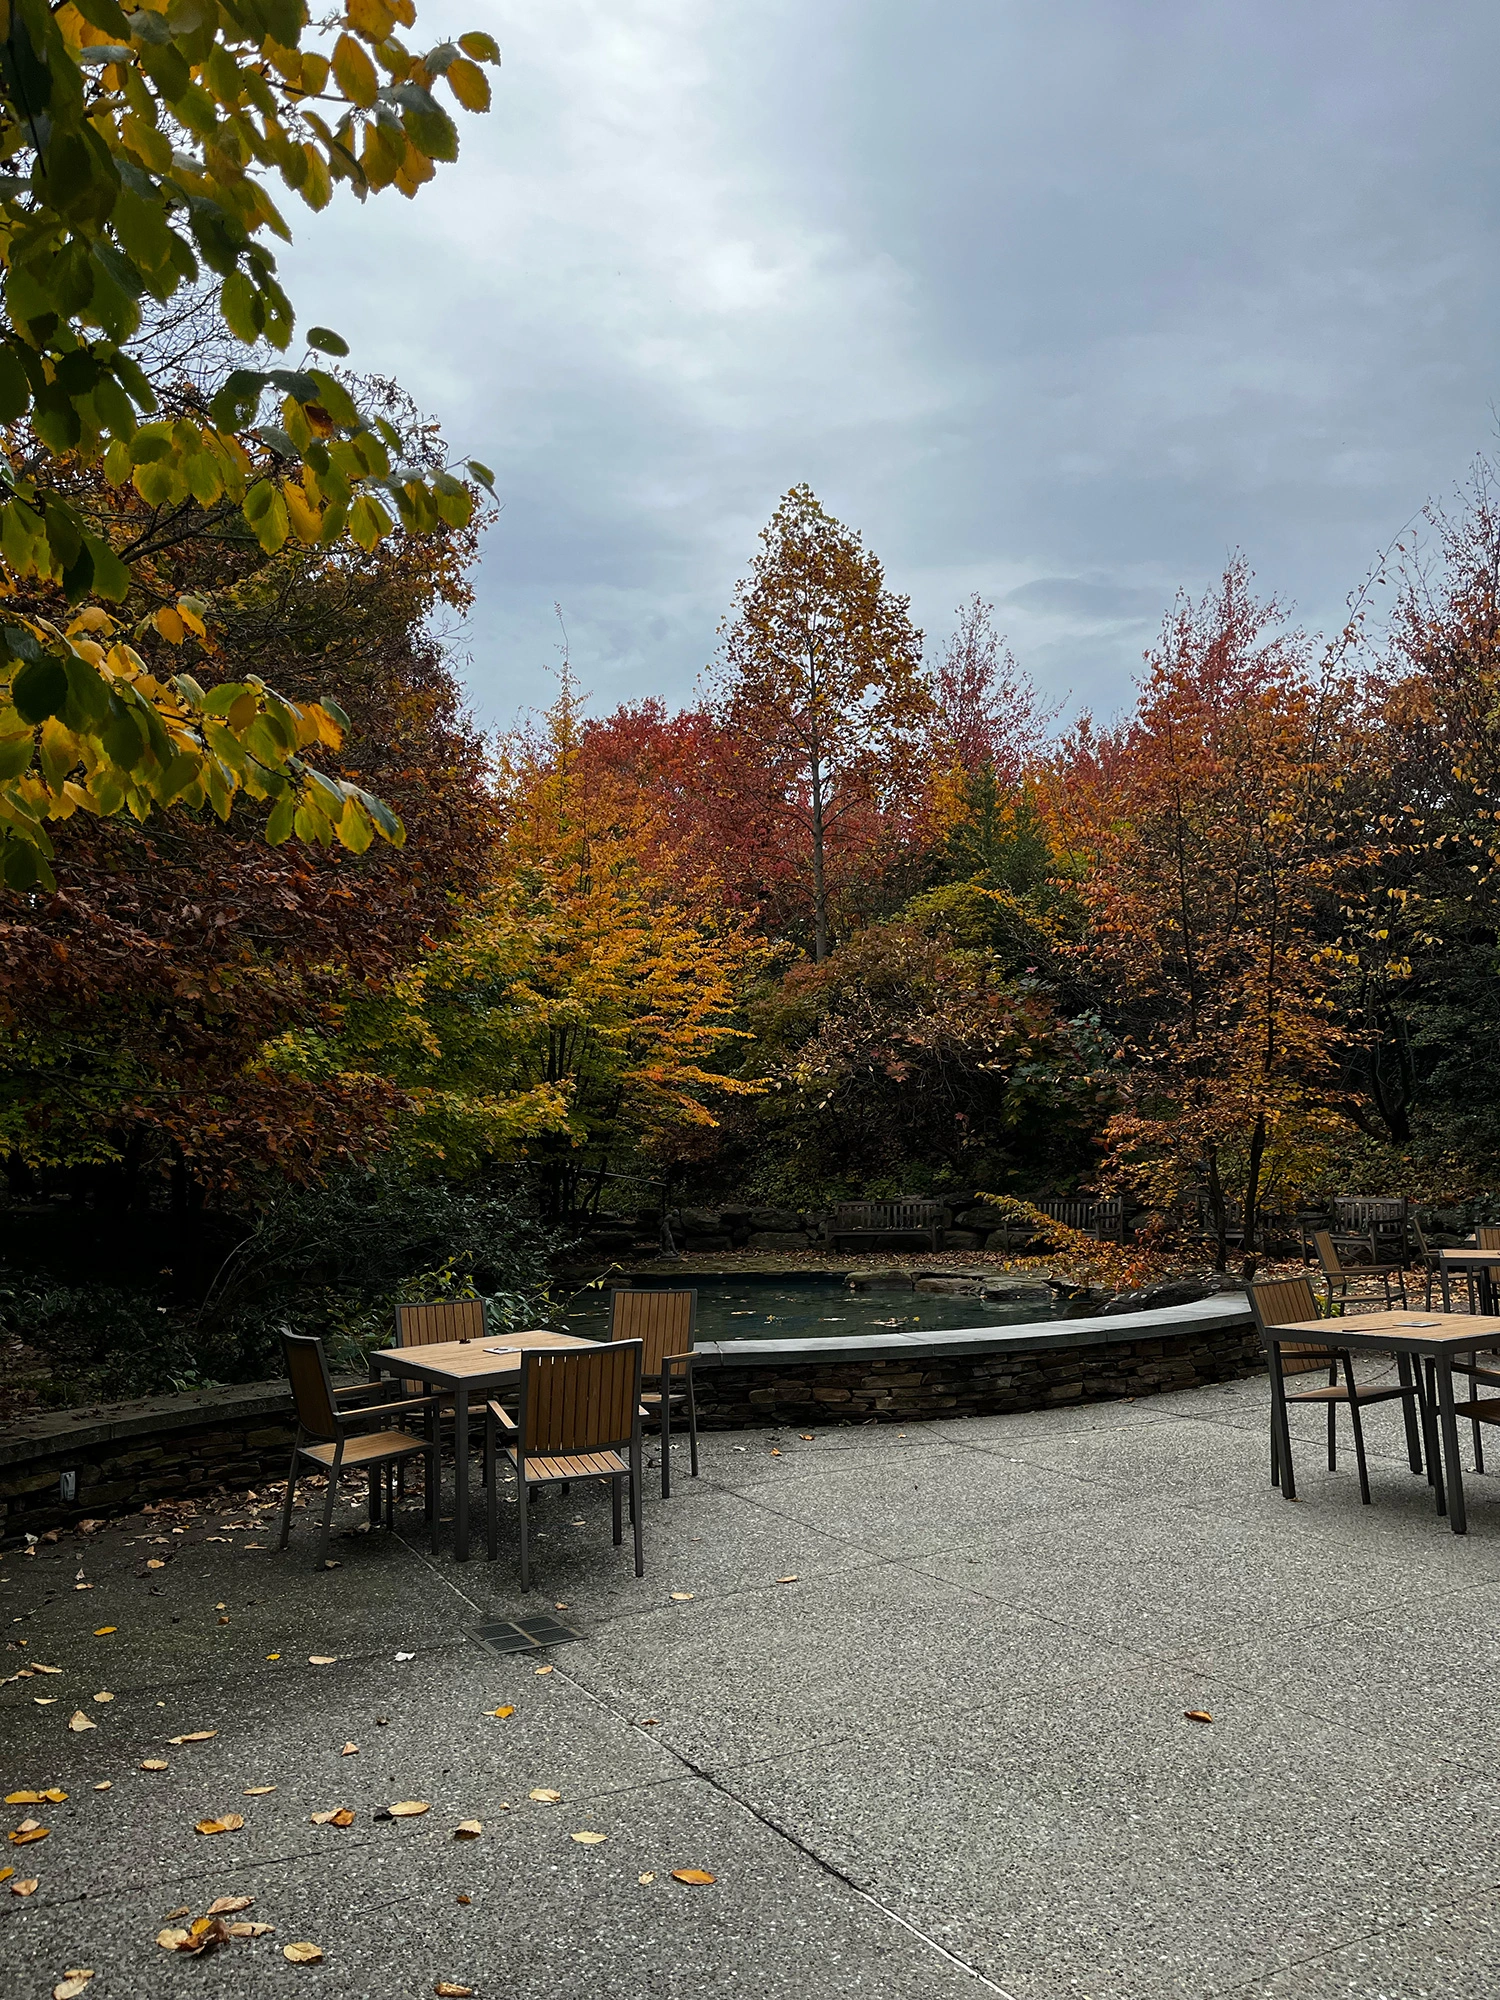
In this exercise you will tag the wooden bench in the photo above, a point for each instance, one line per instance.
(874, 1221)
(1104, 1220)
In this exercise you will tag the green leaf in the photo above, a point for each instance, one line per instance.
(481, 472)
(326, 341)
(336, 399)
(40, 689)
(15, 390)
(121, 737)
(15, 755)
(20, 864)
(111, 577)
(427, 124)
(483, 48)
(279, 825)
(240, 304)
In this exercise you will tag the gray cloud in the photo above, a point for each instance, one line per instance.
(1060, 304)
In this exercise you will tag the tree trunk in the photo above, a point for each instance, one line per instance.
(1217, 1214)
(1252, 1197)
(820, 876)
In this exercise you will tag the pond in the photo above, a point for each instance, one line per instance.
(818, 1308)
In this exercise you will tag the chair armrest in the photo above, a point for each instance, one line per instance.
(500, 1415)
(673, 1360)
(373, 1410)
(372, 1388)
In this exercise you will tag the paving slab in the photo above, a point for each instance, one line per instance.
(1443, 1954)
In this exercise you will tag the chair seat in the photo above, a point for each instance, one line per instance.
(1479, 1409)
(1337, 1393)
(673, 1395)
(374, 1449)
(575, 1465)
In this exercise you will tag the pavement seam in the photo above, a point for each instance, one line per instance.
(1261, 1981)
(819, 1861)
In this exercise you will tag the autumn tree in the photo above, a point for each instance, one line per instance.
(579, 1016)
(820, 697)
(141, 151)
(1209, 884)
(987, 715)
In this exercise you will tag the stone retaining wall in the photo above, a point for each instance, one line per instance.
(180, 1447)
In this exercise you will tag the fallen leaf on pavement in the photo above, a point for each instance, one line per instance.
(793, 1578)
(350, 1750)
(26, 1888)
(448, 1989)
(806, 1436)
(406, 1809)
(509, 1709)
(544, 1670)
(466, 1900)
(273, 1656)
(303, 1954)
(72, 1986)
(172, 1915)
(776, 1451)
(45, 1700)
(545, 1798)
(155, 1562)
(257, 1791)
(682, 1597)
(104, 1785)
(1196, 1715)
(649, 1876)
(78, 1722)
(649, 1722)
(100, 1631)
(106, 1696)
(468, 1829)
(229, 1906)
(699, 1877)
(153, 1764)
(320, 1660)
(51, 1797)
(27, 1832)
(194, 1736)
(250, 1930)
(6, 1873)
(337, 1816)
(38, 1668)
(230, 1823)
(589, 1839)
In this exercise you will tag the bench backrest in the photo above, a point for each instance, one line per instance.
(1095, 1217)
(887, 1214)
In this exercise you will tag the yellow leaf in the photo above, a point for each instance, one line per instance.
(230, 1823)
(172, 1939)
(191, 618)
(335, 1816)
(194, 1736)
(546, 1798)
(78, 1722)
(544, 1670)
(408, 1808)
(6, 1873)
(793, 1578)
(72, 1986)
(26, 1888)
(26, 1833)
(25, 1798)
(699, 1877)
(104, 1697)
(252, 1930)
(257, 1791)
(589, 1839)
(354, 72)
(153, 1764)
(350, 1750)
(228, 1906)
(468, 1829)
(104, 1785)
(508, 1709)
(170, 625)
(100, 1630)
(649, 1876)
(682, 1597)
(322, 1659)
(448, 1989)
(469, 84)
(371, 18)
(303, 1954)
(1196, 1715)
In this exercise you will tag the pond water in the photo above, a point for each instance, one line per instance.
(818, 1309)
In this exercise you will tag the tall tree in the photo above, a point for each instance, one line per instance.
(819, 692)
(1210, 884)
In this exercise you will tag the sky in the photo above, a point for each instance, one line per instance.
(1062, 304)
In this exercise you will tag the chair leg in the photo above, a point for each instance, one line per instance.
(491, 1491)
(1427, 1375)
(614, 1494)
(1408, 1412)
(1358, 1429)
(374, 1496)
(666, 1436)
(327, 1528)
(1333, 1440)
(635, 1505)
(291, 1487)
(692, 1407)
(1478, 1439)
(523, 1495)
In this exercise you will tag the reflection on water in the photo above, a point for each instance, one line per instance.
(822, 1309)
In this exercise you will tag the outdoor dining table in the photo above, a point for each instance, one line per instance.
(1433, 1337)
(459, 1368)
(1484, 1262)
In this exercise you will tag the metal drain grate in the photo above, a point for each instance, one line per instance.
(523, 1635)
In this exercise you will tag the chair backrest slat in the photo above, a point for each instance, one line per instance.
(1328, 1255)
(574, 1402)
(1286, 1302)
(441, 1319)
(312, 1385)
(1487, 1236)
(662, 1322)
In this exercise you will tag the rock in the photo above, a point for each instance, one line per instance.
(776, 1239)
(697, 1222)
(722, 1241)
(1170, 1292)
(1017, 1293)
(963, 1239)
(966, 1288)
(779, 1219)
(879, 1281)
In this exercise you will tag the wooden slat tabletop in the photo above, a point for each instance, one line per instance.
(1397, 1329)
(450, 1362)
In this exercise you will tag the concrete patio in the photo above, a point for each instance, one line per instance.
(915, 1699)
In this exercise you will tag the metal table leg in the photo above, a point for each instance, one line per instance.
(1458, 1519)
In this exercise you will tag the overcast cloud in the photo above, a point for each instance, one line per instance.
(1059, 303)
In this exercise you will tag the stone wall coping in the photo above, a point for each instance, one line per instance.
(1227, 1309)
(60, 1432)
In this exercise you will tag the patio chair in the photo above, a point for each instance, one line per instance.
(1432, 1264)
(579, 1418)
(1338, 1276)
(429, 1324)
(663, 1322)
(1287, 1301)
(327, 1437)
